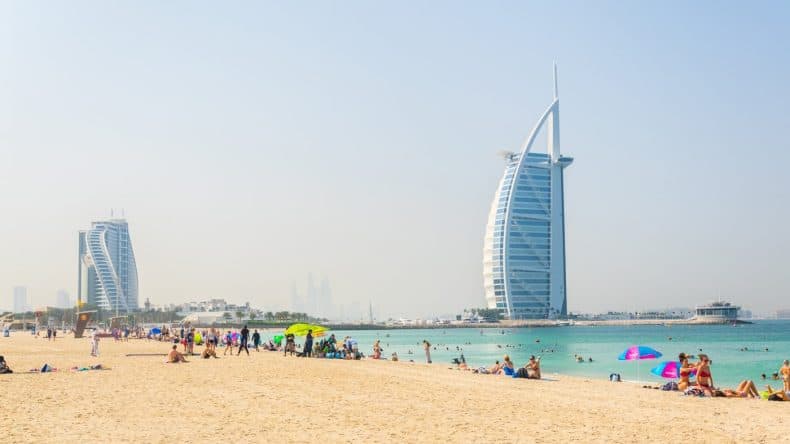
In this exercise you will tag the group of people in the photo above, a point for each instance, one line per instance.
(703, 384)
(530, 370)
(329, 347)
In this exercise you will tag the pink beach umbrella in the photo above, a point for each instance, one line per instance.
(669, 370)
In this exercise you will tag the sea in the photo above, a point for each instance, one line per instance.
(737, 352)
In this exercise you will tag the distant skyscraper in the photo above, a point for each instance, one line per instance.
(107, 269)
(62, 299)
(20, 299)
(524, 247)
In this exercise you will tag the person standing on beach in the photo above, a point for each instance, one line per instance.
(785, 372)
(308, 344)
(290, 345)
(427, 346)
(256, 339)
(95, 343)
(190, 341)
(245, 335)
(228, 343)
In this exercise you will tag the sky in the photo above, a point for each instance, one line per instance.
(252, 143)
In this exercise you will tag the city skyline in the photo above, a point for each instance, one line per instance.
(251, 145)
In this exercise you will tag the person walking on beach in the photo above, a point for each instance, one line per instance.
(308, 344)
(427, 346)
(245, 335)
(228, 343)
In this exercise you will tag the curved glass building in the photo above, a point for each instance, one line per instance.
(107, 269)
(524, 247)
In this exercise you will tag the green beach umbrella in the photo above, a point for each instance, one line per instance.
(301, 329)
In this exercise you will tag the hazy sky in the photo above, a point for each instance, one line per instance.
(252, 143)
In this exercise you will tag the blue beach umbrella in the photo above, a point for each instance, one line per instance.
(639, 352)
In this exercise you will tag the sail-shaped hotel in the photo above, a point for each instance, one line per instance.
(524, 247)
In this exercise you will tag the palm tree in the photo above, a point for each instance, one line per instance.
(239, 315)
(269, 316)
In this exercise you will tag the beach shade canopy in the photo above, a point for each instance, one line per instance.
(669, 370)
(302, 329)
(639, 352)
(155, 331)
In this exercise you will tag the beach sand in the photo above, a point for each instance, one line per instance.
(269, 398)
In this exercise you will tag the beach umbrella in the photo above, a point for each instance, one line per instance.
(669, 370)
(302, 329)
(638, 353)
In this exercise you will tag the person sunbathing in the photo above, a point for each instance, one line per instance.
(746, 389)
(776, 396)
(209, 353)
(533, 368)
(685, 372)
(704, 376)
(174, 357)
(4, 368)
(507, 366)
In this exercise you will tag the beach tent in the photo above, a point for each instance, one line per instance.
(198, 338)
(302, 329)
(278, 339)
(155, 331)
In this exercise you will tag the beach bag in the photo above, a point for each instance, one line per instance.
(614, 377)
(522, 373)
(670, 386)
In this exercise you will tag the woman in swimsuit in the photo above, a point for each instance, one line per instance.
(704, 376)
(746, 389)
(685, 372)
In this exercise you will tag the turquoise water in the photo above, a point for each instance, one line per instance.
(722, 343)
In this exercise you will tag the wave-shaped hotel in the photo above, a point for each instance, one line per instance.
(524, 247)
(107, 269)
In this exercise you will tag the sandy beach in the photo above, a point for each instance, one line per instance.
(270, 398)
